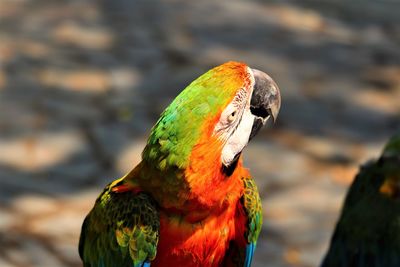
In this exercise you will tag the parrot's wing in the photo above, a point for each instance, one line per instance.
(249, 219)
(121, 230)
(252, 206)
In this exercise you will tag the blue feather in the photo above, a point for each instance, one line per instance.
(249, 254)
(146, 264)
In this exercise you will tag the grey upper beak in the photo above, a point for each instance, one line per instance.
(265, 100)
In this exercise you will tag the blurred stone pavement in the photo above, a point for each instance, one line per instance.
(82, 82)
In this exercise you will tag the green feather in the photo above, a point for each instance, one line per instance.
(240, 256)
(252, 205)
(121, 230)
(181, 124)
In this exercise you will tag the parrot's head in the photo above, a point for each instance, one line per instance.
(212, 120)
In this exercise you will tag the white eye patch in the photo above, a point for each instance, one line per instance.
(239, 138)
(232, 113)
(234, 126)
(228, 119)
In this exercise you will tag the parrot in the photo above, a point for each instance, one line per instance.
(368, 231)
(190, 201)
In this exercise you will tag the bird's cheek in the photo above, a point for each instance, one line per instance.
(238, 140)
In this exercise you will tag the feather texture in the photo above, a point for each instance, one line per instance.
(121, 230)
(179, 206)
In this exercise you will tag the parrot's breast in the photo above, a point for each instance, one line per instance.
(203, 243)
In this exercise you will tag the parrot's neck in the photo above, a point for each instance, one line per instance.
(197, 183)
(202, 187)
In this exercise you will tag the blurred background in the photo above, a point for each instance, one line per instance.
(82, 82)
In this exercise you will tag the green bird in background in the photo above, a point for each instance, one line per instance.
(368, 231)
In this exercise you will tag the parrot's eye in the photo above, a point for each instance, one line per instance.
(232, 117)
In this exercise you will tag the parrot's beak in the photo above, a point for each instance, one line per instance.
(265, 100)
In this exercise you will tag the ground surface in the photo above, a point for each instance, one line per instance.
(81, 83)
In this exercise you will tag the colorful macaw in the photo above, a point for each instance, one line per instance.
(368, 231)
(190, 201)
